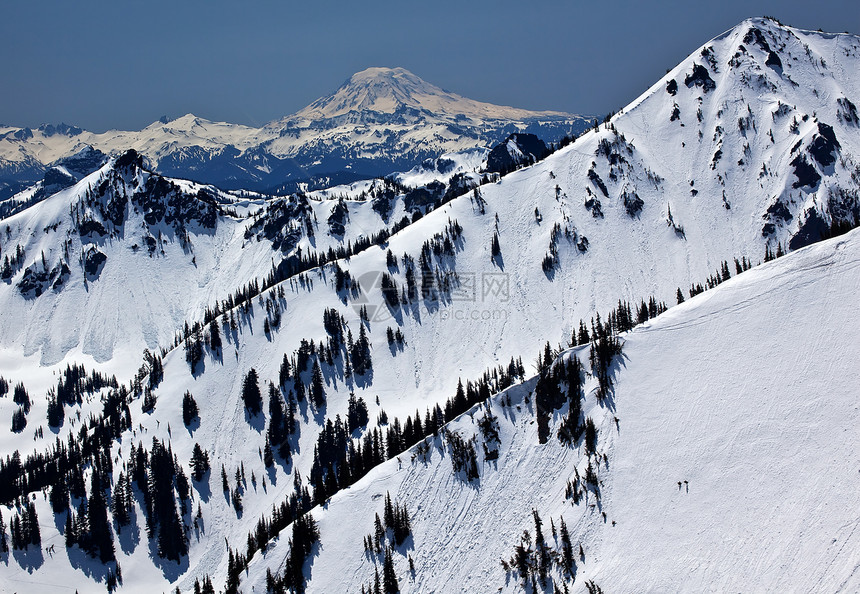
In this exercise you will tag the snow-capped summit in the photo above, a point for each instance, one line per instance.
(394, 90)
(721, 441)
(388, 119)
(380, 121)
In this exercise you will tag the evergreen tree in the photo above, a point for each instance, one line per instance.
(357, 416)
(59, 497)
(389, 577)
(317, 386)
(101, 538)
(360, 353)
(19, 420)
(199, 462)
(207, 588)
(189, 408)
(541, 550)
(4, 544)
(285, 372)
(121, 505)
(268, 456)
(590, 436)
(567, 561)
(214, 337)
(251, 393)
(55, 411)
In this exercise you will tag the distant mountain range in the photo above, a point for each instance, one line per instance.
(379, 121)
(616, 364)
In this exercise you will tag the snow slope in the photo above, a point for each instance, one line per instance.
(613, 186)
(157, 274)
(745, 392)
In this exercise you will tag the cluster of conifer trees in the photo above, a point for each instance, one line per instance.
(388, 533)
(534, 558)
(23, 528)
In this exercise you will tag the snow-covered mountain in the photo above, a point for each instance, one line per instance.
(121, 259)
(723, 460)
(379, 121)
(747, 149)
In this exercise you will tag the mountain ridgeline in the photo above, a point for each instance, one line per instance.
(380, 121)
(492, 370)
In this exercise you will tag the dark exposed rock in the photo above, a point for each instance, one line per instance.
(160, 200)
(130, 158)
(84, 162)
(36, 280)
(755, 37)
(805, 173)
(90, 227)
(337, 219)
(458, 185)
(57, 178)
(383, 203)
(672, 87)
(700, 78)
(282, 223)
(823, 145)
(419, 198)
(63, 129)
(517, 149)
(780, 211)
(847, 111)
(813, 229)
(773, 61)
(593, 204)
(93, 263)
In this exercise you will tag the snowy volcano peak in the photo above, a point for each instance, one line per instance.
(392, 90)
(382, 89)
(380, 120)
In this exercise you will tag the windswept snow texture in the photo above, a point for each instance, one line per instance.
(746, 394)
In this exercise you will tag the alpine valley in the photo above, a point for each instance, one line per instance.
(403, 341)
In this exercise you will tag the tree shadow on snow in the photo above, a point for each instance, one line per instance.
(193, 426)
(257, 422)
(204, 491)
(499, 261)
(92, 567)
(30, 558)
(364, 380)
(128, 536)
(171, 570)
(608, 400)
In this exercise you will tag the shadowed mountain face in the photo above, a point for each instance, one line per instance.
(379, 121)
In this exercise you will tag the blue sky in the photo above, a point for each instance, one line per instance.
(123, 64)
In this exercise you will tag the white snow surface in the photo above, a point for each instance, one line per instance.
(745, 392)
(748, 381)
